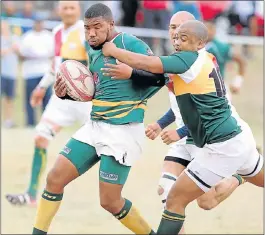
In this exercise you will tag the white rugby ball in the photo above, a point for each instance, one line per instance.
(78, 79)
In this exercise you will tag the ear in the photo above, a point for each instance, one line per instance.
(112, 24)
(201, 44)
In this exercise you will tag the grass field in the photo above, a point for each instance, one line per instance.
(80, 212)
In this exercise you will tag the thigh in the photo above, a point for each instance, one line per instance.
(111, 171)
(82, 155)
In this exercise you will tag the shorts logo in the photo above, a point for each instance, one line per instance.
(66, 150)
(108, 176)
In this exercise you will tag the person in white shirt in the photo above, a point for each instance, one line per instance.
(36, 50)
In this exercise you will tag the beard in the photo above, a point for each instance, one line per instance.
(98, 47)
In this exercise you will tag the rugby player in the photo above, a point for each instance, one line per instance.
(69, 43)
(181, 153)
(114, 135)
(200, 93)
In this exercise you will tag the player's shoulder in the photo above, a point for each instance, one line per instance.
(133, 43)
(57, 28)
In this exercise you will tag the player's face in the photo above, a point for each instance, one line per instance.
(97, 31)
(69, 12)
(185, 41)
(173, 30)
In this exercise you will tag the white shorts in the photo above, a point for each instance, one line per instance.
(62, 113)
(123, 142)
(221, 160)
(182, 153)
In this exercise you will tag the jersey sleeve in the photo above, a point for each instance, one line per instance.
(134, 44)
(178, 63)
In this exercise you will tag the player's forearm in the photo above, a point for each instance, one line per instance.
(241, 65)
(47, 80)
(144, 78)
(138, 61)
(167, 119)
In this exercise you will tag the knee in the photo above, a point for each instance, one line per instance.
(41, 142)
(110, 205)
(54, 180)
(204, 204)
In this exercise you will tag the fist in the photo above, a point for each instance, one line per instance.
(108, 48)
(170, 136)
(153, 130)
(37, 96)
(60, 87)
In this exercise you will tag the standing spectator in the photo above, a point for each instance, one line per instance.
(129, 8)
(9, 10)
(189, 6)
(156, 16)
(9, 65)
(36, 51)
(27, 13)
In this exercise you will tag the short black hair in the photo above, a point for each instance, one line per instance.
(99, 10)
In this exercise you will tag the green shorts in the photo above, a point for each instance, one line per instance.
(84, 156)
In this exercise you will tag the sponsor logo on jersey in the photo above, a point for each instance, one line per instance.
(66, 150)
(108, 176)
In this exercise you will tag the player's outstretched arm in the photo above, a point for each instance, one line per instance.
(149, 63)
(121, 71)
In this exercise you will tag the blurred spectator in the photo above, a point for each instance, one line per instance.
(189, 6)
(242, 15)
(9, 10)
(129, 8)
(27, 13)
(260, 17)
(36, 51)
(211, 11)
(9, 66)
(115, 7)
(156, 16)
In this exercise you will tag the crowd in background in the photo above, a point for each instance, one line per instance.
(32, 46)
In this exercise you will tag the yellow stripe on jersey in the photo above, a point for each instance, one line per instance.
(73, 48)
(113, 104)
(139, 106)
(202, 84)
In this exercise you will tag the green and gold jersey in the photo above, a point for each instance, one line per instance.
(222, 52)
(118, 101)
(200, 94)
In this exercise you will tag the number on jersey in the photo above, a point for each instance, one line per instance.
(218, 81)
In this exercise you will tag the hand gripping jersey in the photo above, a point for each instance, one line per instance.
(119, 101)
(200, 94)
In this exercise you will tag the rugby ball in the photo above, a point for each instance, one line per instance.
(78, 79)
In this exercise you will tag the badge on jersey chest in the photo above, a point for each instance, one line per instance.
(96, 78)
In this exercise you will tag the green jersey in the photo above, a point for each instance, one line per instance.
(222, 51)
(200, 95)
(118, 101)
